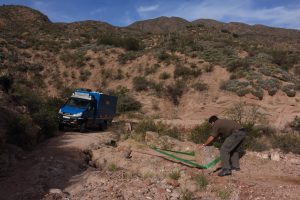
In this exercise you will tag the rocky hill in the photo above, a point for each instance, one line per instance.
(169, 75)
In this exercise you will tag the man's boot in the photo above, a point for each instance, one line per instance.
(224, 172)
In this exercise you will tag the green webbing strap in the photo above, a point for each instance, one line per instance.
(188, 153)
(212, 163)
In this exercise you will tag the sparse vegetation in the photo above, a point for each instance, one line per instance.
(164, 75)
(140, 83)
(175, 175)
(147, 175)
(84, 75)
(126, 102)
(128, 43)
(224, 193)
(127, 56)
(201, 181)
(186, 195)
(290, 90)
(238, 64)
(161, 128)
(186, 72)
(287, 143)
(200, 86)
(175, 91)
(112, 167)
(200, 133)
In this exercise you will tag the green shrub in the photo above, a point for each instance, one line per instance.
(158, 88)
(109, 39)
(233, 65)
(6, 81)
(295, 124)
(151, 70)
(75, 59)
(271, 85)
(84, 75)
(164, 75)
(127, 56)
(140, 83)
(175, 91)
(175, 175)
(126, 102)
(119, 75)
(131, 44)
(276, 73)
(290, 90)
(163, 56)
(201, 181)
(128, 43)
(238, 87)
(200, 86)
(258, 92)
(284, 59)
(186, 195)
(253, 140)
(208, 67)
(224, 193)
(19, 132)
(74, 44)
(186, 72)
(112, 167)
(287, 143)
(200, 133)
(161, 128)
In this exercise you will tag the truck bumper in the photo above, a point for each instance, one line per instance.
(71, 122)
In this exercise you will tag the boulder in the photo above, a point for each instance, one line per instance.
(167, 142)
(274, 156)
(205, 155)
(151, 138)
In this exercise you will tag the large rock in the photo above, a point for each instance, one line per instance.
(206, 154)
(166, 142)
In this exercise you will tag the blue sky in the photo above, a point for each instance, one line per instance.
(278, 13)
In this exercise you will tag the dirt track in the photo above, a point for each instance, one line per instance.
(60, 163)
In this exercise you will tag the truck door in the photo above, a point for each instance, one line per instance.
(92, 111)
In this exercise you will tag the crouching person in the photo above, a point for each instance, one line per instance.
(234, 134)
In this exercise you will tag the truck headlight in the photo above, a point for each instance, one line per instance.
(77, 114)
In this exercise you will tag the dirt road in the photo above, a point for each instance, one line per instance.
(60, 164)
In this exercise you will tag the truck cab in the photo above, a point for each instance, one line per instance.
(86, 108)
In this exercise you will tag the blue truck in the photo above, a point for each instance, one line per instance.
(86, 108)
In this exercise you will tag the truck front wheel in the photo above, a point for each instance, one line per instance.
(61, 127)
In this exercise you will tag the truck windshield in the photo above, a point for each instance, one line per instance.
(79, 103)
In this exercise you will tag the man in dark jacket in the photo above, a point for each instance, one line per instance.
(234, 134)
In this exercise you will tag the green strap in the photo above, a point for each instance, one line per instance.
(212, 163)
(189, 153)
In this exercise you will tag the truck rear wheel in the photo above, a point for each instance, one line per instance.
(83, 127)
(103, 126)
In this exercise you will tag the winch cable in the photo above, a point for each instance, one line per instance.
(210, 164)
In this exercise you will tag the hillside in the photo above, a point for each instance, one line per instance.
(170, 75)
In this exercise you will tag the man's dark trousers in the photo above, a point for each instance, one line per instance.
(230, 150)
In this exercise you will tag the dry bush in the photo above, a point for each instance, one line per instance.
(164, 75)
(140, 83)
(175, 91)
(161, 128)
(245, 113)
